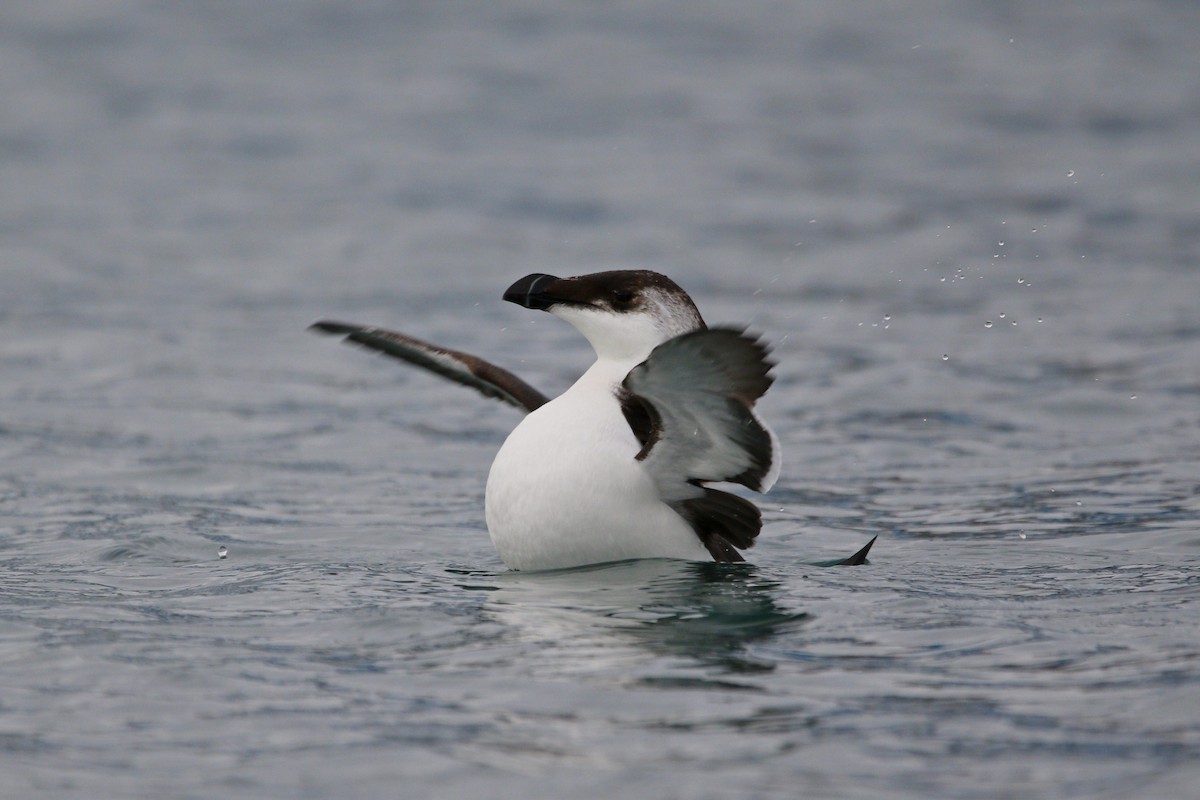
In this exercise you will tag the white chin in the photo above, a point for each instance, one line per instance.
(612, 334)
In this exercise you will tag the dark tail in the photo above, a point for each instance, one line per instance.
(853, 561)
(858, 558)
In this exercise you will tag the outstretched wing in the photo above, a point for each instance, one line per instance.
(464, 368)
(699, 391)
(691, 404)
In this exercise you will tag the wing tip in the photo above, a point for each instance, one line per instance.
(334, 328)
(754, 380)
(461, 368)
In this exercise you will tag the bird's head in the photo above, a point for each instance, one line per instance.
(624, 314)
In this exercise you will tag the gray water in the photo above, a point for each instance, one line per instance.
(970, 229)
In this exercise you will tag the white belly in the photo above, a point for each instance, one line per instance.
(565, 490)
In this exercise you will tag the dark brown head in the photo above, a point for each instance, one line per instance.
(624, 314)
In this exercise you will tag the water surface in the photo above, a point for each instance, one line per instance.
(970, 230)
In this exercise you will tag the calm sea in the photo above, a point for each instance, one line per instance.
(970, 229)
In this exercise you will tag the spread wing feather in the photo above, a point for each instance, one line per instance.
(691, 405)
(700, 389)
(463, 368)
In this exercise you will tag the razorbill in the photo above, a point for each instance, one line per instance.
(617, 466)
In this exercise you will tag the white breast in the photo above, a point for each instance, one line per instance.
(566, 490)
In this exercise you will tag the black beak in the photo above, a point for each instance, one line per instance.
(530, 292)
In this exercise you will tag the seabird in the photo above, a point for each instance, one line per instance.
(618, 466)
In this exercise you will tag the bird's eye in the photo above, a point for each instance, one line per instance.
(622, 297)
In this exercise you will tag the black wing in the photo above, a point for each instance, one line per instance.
(464, 368)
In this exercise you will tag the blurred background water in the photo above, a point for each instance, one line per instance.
(971, 230)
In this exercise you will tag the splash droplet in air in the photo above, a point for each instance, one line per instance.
(222, 551)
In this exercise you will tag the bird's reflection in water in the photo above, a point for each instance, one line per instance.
(706, 613)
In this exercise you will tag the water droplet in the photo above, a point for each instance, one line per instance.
(222, 551)
(887, 317)
(1022, 534)
(1020, 280)
(945, 357)
(1078, 502)
(1001, 315)
(1039, 319)
(1070, 173)
(987, 323)
(1001, 244)
(1014, 322)
(1133, 397)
